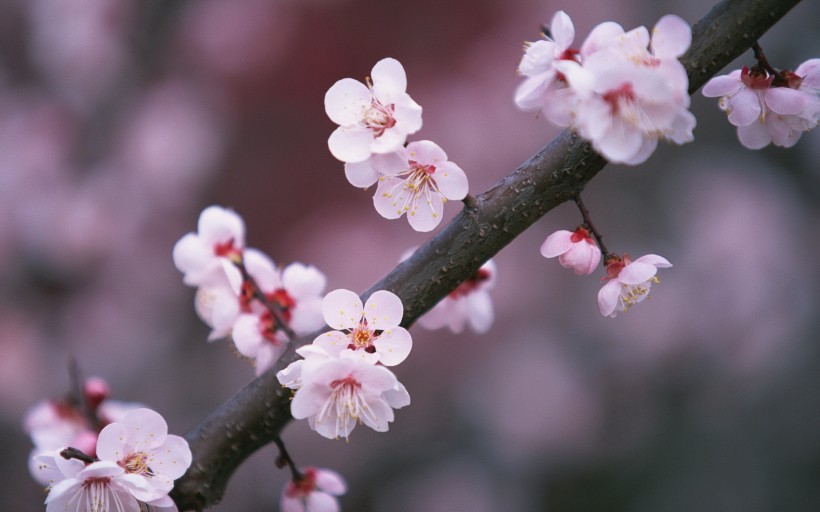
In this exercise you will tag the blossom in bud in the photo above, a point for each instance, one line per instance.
(469, 304)
(337, 393)
(296, 292)
(151, 459)
(575, 249)
(316, 491)
(769, 108)
(372, 118)
(371, 330)
(416, 180)
(628, 282)
(205, 257)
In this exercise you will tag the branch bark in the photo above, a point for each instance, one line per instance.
(559, 171)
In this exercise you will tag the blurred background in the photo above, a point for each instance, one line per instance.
(120, 120)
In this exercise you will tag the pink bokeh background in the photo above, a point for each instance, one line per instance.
(120, 120)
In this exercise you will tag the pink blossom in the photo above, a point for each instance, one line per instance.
(297, 291)
(371, 330)
(372, 118)
(416, 180)
(469, 304)
(98, 486)
(575, 249)
(336, 393)
(315, 492)
(150, 457)
(628, 282)
(769, 108)
(205, 257)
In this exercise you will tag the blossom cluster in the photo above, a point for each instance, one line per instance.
(242, 294)
(768, 106)
(623, 91)
(374, 122)
(342, 380)
(98, 454)
(627, 282)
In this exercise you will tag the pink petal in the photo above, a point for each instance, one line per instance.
(724, 85)
(427, 213)
(451, 181)
(342, 309)
(112, 443)
(393, 346)
(220, 225)
(563, 32)
(785, 101)
(425, 152)
(146, 429)
(308, 400)
(529, 93)
(654, 259)
(350, 143)
(671, 37)
(637, 272)
(408, 115)
(397, 397)
(608, 297)
(602, 36)
(262, 269)
(389, 141)
(307, 315)
(810, 72)
(172, 459)
(383, 310)
(361, 174)
(648, 146)
(556, 244)
(389, 79)
(331, 482)
(619, 143)
(191, 255)
(332, 342)
(754, 136)
(303, 281)
(745, 107)
(480, 311)
(321, 502)
(346, 102)
(378, 415)
(246, 335)
(390, 197)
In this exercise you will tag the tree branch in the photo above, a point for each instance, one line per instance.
(559, 171)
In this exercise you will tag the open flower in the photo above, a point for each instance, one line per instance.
(315, 492)
(575, 249)
(205, 256)
(297, 291)
(371, 330)
(416, 180)
(151, 459)
(372, 118)
(336, 393)
(469, 304)
(628, 282)
(99, 486)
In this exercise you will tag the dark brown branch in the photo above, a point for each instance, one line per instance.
(256, 415)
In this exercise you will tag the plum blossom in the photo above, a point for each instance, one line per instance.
(416, 180)
(150, 457)
(614, 91)
(469, 304)
(99, 486)
(769, 107)
(296, 290)
(336, 393)
(372, 118)
(316, 491)
(371, 330)
(628, 282)
(56, 423)
(205, 257)
(544, 87)
(575, 249)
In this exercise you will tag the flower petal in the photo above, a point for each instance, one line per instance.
(346, 101)
(112, 443)
(393, 346)
(332, 342)
(361, 174)
(342, 309)
(671, 37)
(785, 101)
(383, 310)
(608, 297)
(172, 459)
(451, 181)
(480, 311)
(146, 429)
(556, 244)
(389, 79)
(350, 143)
(563, 32)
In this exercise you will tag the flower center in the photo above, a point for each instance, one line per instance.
(362, 337)
(755, 78)
(633, 294)
(228, 250)
(95, 493)
(379, 117)
(346, 403)
(302, 487)
(137, 463)
(620, 97)
(470, 284)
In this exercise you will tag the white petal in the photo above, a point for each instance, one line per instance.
(608, 297)
(389, 79)
(480, 311)
(247, 336)
(346, 102)
(745, 108)
(303, 281)
(724, 85)
(383, 310)
(427, 213)
(390, 197)
(563, 32)
(342, 309)
(754, 136)
(671, 37)
(221, 225)
(332, 342)
(393, 346)
(556, 244)
(637, 272)
(330, 482)
(785, 101)
(361, 174)
(112, 442)
(350, 143)
(451, 181)
(146, 429)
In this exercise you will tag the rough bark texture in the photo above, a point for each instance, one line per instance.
(257, 413)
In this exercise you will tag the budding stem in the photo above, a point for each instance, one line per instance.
(588, 224)
(274, 308)
(284, 459)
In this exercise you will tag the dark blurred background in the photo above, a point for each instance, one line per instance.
(121, 119)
